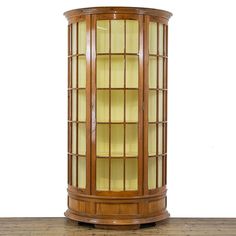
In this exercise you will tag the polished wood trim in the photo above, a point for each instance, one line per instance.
(114, 221)
(160, 14)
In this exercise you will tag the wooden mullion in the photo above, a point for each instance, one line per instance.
(163, 105)
(77, 104)
(157, 104)
(109, 105)
(145, 104)
(166, 102)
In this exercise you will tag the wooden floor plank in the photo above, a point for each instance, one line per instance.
(64, 227)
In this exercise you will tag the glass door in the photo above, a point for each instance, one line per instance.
(117, 96)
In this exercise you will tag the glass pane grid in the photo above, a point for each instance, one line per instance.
(157, 97)
(77, 104)
(117, 105)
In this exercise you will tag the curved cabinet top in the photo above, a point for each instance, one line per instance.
(73, 15)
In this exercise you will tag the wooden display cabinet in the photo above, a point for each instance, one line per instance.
(117, 115)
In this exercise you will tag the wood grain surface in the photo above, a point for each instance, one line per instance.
(59, 226)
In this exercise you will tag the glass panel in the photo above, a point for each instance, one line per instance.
(151, 172)
(102, 36)
(131, 106)
(160, 142)
(153, 38)
(131, 71)
(73, 71)
(74, 128)
(82, 138)
(131, 142)
(74, 104)
(151, 139)
(102, 72)
(152, 106)
(102, 174)
(82, 105)
(152, 72)
(132, 36)
(74, 171)
(117, 36)
(82, 37)
(160, 73)
(74, 32)
(102, 140)
(161, 39)
(82, 72)
(117, 140)
(82, 172)
(117, 105)
(159, 172)
(160, 106)
(102, 106)
(131, 174)
(117, 71)
(117, 174)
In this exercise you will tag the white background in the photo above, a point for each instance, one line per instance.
(202, 111)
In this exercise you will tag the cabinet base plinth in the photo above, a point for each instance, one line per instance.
(117, 224)
(109, 212)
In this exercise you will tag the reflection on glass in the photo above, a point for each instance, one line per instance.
(160, 106)
(151, 172)
(117, 174)
(82, 105)
(161, 39)
(82, 138)
(74, 32)
(131, 36)
(131, 142)
(102, 140)
(117, 71)
(153, 38)
(159, 171)
(131, 105)
(102, 74)
(74, 127)
(117, 105)
(131, 174)
(81, 172)
(82, 71)
(102, 174)
(151, 139)
(102, 106)
(74, 171)
(117, 140)
(152, 106)
(117, 36)
(160, 73)
(74, 104)
(73, 71)
(132, 71)
(160, 140)
(152, 72)
(102, 36)
(82, 37)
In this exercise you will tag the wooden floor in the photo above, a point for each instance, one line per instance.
(62, 226)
